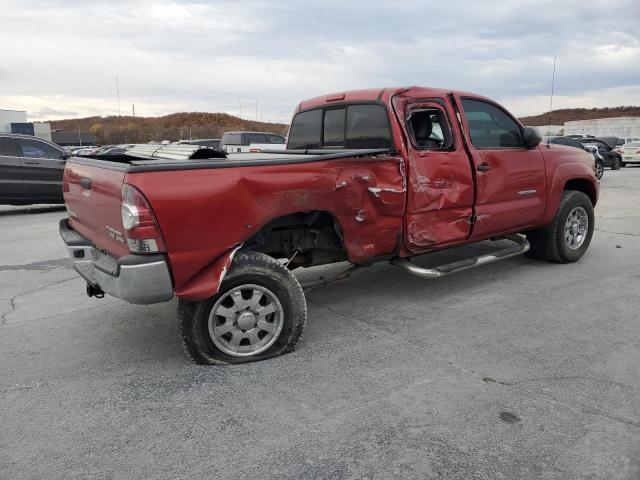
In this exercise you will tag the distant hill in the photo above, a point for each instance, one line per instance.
(127, 129)
(558, 117)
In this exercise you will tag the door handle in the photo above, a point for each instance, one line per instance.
(32, 162)
(483, 167)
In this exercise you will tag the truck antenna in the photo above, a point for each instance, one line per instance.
(553, 84)
(118, 94)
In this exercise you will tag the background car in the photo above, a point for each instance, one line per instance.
(611, 158)
(572, 142)
(235, 142)
(30, 170)
(631, 153)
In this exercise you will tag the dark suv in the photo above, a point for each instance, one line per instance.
(30, 170)
(573, 142)
(605, 146)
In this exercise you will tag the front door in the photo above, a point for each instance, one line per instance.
(510, 179)
(42, 168)
(10, 170)
(439, 176)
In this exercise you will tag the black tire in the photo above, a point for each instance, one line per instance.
(549, 243)
(599, 169)
(248, 268)
(617, 163)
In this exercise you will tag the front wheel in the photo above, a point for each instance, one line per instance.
(259, 312)
(599, 169)
(567, 238)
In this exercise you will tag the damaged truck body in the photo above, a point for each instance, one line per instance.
(367, 176)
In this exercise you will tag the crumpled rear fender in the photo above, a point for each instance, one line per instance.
(207, 281)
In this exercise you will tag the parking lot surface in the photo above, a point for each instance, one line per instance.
(518, 369)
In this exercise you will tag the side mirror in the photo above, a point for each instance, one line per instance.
(530, 137)
(66, 155)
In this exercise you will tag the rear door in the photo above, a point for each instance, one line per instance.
(42, 169)
(510, 179)
(11, 187)
(440, 179)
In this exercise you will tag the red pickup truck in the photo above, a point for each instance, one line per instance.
(367, 176)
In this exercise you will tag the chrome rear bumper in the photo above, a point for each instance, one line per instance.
(139, 279)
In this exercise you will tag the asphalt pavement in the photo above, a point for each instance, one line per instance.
(516, 370)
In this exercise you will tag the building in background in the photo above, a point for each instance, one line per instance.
(621, 127)
(550, 130)
(42, 130)
(69, 139)
(9, 117)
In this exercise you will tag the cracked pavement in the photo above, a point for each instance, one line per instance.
(518, 369)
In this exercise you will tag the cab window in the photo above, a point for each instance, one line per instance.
(491, 127)
(305, 130)
(333, 132)
(9, 147)
(430, 129)
(35, 149)
(367, 127)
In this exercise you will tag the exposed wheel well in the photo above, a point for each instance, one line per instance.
(584, 186)
(308, 238)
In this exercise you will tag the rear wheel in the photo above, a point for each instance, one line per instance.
(617, 163)
(258, 313)
(567, 238)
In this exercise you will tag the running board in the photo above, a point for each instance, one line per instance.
(522, 246)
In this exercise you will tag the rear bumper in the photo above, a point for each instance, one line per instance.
(140, 279)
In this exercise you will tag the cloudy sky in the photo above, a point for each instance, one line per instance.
(60, 59)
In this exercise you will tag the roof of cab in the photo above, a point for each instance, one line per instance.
(373, 94)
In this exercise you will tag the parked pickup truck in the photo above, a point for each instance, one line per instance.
(367, 176)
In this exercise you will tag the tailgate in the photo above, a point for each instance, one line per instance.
(93, 196)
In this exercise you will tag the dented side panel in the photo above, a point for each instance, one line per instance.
(204, 214)
(440, 183)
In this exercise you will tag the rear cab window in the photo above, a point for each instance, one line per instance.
(345, 126)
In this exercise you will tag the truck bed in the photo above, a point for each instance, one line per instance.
(134, 164)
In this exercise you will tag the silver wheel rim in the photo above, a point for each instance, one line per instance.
(575, 228)
(599, 170)
(246, 320)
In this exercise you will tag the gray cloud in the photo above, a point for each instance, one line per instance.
(52, 112)
(226, 55)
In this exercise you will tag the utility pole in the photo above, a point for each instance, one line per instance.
(118, 94)
(190, 134)
(256, 110)
(79, 137)
(133, 110)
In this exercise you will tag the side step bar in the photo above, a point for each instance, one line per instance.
(521, 246)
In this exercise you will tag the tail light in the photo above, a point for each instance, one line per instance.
(140, 225)
(619, 150)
